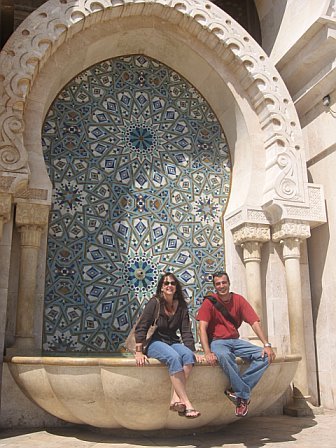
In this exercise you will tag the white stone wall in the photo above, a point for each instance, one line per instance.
(283, 22)
(247, 95)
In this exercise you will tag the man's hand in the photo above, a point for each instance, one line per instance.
(211, 358)
(270, 354)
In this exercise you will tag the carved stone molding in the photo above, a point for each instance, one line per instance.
(251, 251)
(56, 22)
(5, 210)
(28, 214)
(13, 182)
(251, 232)
(5, 206)
(39, 194)
(31, 235)
(290, 229)
(290, 248)
(246, 215)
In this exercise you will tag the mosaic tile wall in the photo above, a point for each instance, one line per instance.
(141, 175)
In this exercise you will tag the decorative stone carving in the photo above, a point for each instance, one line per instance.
(290, 229)
(5, 206)
(13, 182)
(290, 248)
(5, 210)
(244, 215)
(33, 193)
(251, 251)
(252, 232)
(55, 22)
(31, 214)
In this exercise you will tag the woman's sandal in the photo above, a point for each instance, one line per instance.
(191, 413)
(178, 407)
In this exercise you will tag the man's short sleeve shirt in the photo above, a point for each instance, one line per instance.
(221, 328)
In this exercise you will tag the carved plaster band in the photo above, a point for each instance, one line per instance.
(290, 229)
(5, 210)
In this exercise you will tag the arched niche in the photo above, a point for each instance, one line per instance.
(202, 43)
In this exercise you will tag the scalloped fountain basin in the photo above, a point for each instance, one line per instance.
(111, 392)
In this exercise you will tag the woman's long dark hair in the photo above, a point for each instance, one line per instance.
(178, 293)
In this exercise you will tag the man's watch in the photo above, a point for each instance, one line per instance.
(267, 344)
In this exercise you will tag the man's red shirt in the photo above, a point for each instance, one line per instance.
(221, 328)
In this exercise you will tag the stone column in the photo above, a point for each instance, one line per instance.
(251, 237)
(5, 210)
(31, 220)
(290, 235)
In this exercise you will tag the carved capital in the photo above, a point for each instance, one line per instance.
(251, 232)
(252, 251)
(31, 215)
(30, 235)
(290, 248)
(290, 229)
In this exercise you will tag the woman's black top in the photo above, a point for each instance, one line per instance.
(167, 325)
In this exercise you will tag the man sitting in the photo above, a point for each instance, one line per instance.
(220, 316)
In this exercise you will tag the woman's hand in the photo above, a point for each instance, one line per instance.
(199, 357)
(141, 359)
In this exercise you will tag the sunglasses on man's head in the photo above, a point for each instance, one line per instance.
(166, 283)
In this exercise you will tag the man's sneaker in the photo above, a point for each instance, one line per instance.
(242, 407)
(231, 396)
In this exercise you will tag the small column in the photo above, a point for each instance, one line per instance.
(290, 235)
(5, 210)
(31, 220)
(251, 237)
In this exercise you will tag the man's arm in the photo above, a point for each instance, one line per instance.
(256, 327)
(209, 356)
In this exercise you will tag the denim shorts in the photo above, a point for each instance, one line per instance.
(175, 356)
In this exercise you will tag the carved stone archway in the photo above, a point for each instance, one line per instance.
(56, 23)
(270, 192)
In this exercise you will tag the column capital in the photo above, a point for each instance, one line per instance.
(290, 248)
(290, 229)
(252, 251)
(251, 232)
(28, 214)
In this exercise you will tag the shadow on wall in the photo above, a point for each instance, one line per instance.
(317, 246)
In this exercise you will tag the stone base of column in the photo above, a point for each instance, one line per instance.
(301, 407)
(24, 346)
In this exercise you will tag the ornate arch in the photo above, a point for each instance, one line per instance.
(286, 193)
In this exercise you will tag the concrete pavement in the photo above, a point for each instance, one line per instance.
(253, 432)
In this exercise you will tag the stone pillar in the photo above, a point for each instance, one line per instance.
(31, 220)
(5, 210)
(290, 235)
(251, 237)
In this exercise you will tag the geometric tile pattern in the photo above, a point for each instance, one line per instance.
(141, 176)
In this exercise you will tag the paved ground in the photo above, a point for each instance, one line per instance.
(254, 432)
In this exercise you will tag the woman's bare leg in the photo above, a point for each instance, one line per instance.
(175, 397)
(179, 384)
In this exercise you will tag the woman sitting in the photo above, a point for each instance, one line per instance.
(165, 344)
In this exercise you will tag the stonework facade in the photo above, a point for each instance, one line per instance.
(158, 134)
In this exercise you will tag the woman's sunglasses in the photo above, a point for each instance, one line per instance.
(169, 283)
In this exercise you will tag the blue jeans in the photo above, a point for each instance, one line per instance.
(227, 350)
(175, 356)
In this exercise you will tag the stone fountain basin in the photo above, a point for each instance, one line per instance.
(111, 392)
